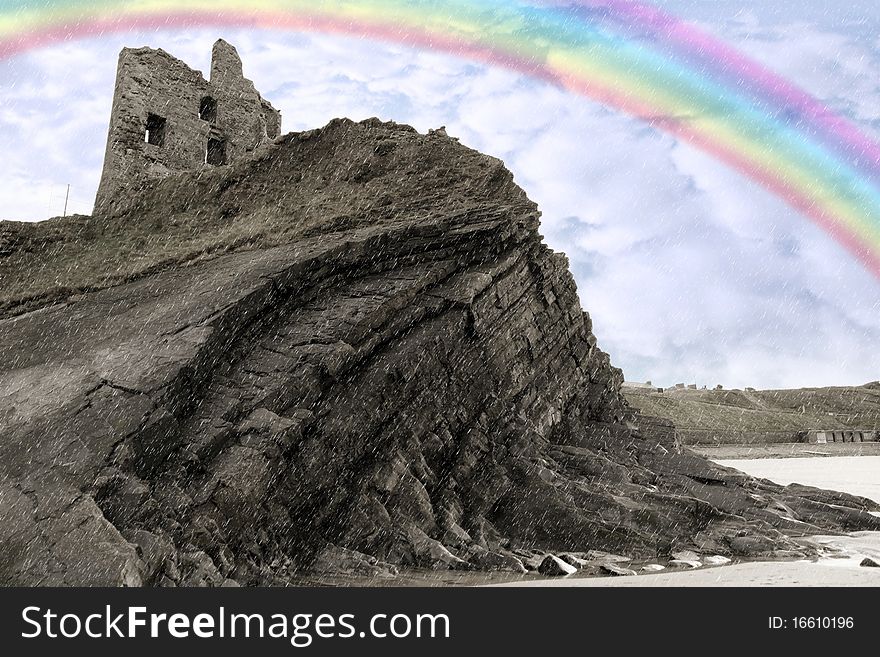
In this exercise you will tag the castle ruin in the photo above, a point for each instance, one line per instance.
(167, 119)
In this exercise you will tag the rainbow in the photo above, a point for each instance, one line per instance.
(628, 55)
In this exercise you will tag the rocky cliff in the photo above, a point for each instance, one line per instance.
(349, 353)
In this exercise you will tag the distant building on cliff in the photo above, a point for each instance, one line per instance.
(824, 436)
(167, 119)
(646, 386)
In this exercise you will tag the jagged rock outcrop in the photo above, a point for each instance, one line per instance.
(403, 378)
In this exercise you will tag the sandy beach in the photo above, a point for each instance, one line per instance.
(858, 475)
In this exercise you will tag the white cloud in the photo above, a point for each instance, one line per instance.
(690, 271)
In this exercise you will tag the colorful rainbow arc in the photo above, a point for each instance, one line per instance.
(628, 55)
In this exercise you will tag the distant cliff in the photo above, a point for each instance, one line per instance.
(350, 353)
(759, 416)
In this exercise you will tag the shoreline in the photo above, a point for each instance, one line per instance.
(758, 573)
(838, 566)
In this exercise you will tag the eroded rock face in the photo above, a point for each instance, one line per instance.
(415, 386)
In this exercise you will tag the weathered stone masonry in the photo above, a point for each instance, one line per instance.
(167, 119)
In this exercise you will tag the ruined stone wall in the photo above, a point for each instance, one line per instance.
(246, 118)
(162, 124)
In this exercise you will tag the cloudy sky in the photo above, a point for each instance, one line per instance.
(691, 272)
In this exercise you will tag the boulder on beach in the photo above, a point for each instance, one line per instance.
(572, 560)
(553, 566)
(715, 560)
(607, 557)
(611, 569)
(653, 568)
(686, 555)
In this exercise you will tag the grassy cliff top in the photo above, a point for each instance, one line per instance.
(845, 407)
(332, 179)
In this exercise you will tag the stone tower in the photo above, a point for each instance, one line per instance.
(167, 118)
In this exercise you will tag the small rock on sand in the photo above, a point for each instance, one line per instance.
(611, 569)
(572, 560)
(598, 555)
(715, 560)
(555, 567)
(868, 562)
(653, 568)
(686, 555)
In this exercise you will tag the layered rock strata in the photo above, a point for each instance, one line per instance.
(409, 383)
